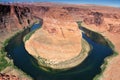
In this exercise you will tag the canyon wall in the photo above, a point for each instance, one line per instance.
(18, 16)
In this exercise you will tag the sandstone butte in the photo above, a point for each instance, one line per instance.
(58, 40)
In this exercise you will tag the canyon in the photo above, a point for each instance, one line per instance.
(102, 19)
(58, 40)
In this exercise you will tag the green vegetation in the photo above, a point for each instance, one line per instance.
(6, 62)
(110, 44)
(79, 23)
(28, 35)
(3, 62)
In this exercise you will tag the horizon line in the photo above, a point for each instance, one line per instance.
(29, 2)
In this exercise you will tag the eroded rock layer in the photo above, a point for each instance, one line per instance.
(58, 40)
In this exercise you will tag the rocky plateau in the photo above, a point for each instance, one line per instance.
(58, 40)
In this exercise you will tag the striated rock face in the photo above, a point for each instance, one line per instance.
(8, 77)
(96, 19)
(13, 17)
(97, 16)
(5, 76)
(114, 28)
(58, 40)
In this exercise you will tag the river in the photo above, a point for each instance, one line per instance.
(87, 70)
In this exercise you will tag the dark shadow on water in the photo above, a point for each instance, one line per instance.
(85, 71)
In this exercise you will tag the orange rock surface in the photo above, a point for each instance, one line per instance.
(58, 40)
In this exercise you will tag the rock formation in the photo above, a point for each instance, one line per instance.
(14, 17)
(58, 40)
(5, 76)
(21, 15)
(96, 19)
(8, 77)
